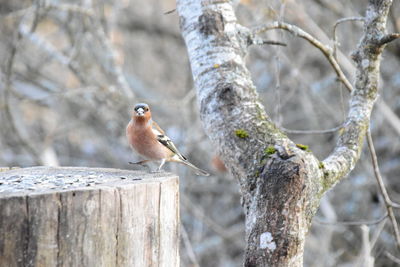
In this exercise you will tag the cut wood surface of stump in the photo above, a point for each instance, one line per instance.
(74, 216)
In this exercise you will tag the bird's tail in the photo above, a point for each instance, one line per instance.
(198, 170)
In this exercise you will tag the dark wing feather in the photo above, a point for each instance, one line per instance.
(163, 139)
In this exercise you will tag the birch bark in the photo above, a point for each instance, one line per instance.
(281, 183)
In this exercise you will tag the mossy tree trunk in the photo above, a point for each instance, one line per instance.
(281, 183)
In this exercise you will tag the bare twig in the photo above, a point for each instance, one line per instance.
(278, 66)
(72, 8)
(346, 63)
(393, 258)
(189, 247)
(395, 205)
(8, 112)
(170, 11)
(116, 69)
(372, 222)
(326, 51)
(366, 259)
(49, 49)
(335, 42)
(312, 131)
(379, 228)
(271, 42)
(382, 188)
(389, 38)
(199, 214)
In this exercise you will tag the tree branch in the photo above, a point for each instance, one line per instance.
(335, 42)
(371, 222)
(326, 51)
(382, 188)
(367, 58)
(388, 38)
(327, 131)
(270, 42)
(8, 90)
(393, 258)
(332, 59)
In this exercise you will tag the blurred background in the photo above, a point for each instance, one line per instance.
(71, 72)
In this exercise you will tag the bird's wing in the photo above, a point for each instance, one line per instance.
(163, 139)
(166, 141)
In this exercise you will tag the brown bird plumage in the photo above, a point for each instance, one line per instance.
(149, 140)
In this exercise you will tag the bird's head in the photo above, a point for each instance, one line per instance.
(141, 111)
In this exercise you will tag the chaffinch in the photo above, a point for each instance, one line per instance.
(149, 140)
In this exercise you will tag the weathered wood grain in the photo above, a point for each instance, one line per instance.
(88, 217)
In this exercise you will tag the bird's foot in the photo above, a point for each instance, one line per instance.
(141, 164)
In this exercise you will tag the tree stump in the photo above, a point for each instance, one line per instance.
(75, 216)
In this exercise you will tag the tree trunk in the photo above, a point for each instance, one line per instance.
(88, 217)
(283, 201)
(281, 182)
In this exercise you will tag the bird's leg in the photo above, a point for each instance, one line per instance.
(162, 164)
(139, 162)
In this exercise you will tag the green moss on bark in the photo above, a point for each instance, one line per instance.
(241, 133)
(321, 165)
(270, 150)
(303, 147)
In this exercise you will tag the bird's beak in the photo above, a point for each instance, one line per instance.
(140, 112)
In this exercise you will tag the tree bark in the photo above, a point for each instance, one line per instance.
(88, 217)
(281, 182)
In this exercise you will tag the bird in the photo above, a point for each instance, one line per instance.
(148, 140)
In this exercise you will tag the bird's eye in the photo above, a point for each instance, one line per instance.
(146, 109)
